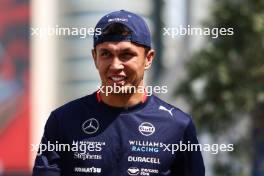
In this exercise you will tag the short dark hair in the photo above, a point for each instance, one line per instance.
(121, 29)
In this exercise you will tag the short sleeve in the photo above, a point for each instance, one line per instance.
(48, 162)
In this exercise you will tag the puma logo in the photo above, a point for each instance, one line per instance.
(165, 109)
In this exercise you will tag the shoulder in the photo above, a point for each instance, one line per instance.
(70, 114)
(171, 112)
(75, 107)
(171, 119)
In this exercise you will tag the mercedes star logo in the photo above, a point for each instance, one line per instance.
(90, 126)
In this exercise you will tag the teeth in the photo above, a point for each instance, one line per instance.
(117, 78)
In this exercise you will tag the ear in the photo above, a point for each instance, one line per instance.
(149, 58)
(94, 57)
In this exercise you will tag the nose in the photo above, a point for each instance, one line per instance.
(116, 64)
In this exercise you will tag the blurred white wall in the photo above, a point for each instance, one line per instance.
(43, 73)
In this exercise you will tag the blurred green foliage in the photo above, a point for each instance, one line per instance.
(225, 79)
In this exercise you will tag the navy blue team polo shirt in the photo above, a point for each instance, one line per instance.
(93, 138)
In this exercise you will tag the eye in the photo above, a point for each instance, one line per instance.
(105, 54)
(127, 55)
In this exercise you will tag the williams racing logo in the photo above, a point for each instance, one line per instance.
(145, 146)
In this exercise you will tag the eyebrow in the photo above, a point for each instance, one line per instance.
(103, 49)
(123, 50)
(127, 49)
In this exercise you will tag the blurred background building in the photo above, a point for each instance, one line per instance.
(39, 73)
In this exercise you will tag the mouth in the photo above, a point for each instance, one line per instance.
(118, 79)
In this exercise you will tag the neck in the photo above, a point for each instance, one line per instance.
(123, 99)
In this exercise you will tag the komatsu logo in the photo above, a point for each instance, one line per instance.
(146, 129)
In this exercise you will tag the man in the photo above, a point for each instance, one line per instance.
(125, 132)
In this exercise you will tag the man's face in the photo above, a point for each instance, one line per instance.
(121, 63)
